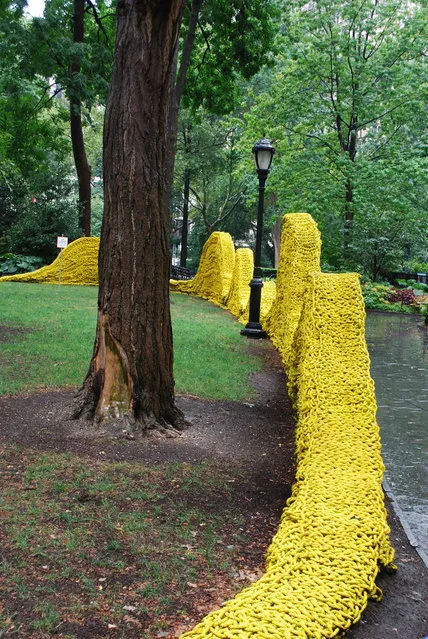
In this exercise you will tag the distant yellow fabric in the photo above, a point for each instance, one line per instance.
(299, 255)
(224, 277)
(267, 299)
(78, 264)
(214, 277)
(239, 293)
(333, 537)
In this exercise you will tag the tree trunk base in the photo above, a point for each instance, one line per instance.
(85, 407)
(126, 425)
(107, 395)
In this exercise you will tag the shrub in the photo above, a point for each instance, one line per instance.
(379, 297)
(404, 296)
(11, 263)
(418, 286)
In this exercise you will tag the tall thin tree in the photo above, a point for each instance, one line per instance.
(83, 168)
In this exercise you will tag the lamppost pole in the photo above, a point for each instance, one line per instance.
(263, 153)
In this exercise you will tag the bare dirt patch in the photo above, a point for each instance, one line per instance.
(8, 333)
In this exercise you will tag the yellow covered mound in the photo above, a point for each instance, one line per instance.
(299, 255)
(239, 293)
(322, 563)
(77, 265)
(214, 276)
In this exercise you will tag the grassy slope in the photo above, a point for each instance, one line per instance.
(58, 326)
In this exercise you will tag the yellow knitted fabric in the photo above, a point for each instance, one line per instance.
(267, 299)
(214, 277)
(322, 563)
(239, 293)
(299, 255)
(269, 292)
(78, 264)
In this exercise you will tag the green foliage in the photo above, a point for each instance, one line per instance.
(416, 266)
(344, 106)
(234, 40)
(207, 149)
(36, 192)
(417, 286)
(40, 223)
(11, 264)
(54, 50)
(377, 297)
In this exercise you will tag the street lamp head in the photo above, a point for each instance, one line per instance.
(263, 154)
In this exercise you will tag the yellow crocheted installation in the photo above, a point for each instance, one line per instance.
(78, 264)
(214, 276)
(239, 293)
(267, 299)
(299, 255)
(333, 537)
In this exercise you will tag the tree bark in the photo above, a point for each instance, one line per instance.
(178, 83)
(348, 217)
(276, 239)
(131, 372)
(83, 168)
(185, 227)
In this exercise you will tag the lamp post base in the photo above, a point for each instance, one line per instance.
(254, 330)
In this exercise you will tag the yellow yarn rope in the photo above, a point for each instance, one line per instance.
(214, 277)
(333, 536)
(299, 255)
(239, 293)
(78, 264)
(223, 278)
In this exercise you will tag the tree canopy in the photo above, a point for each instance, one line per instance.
(339, 87)
(345, 103)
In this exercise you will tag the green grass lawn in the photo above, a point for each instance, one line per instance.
(48, 334)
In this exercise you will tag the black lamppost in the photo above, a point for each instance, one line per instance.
(263, 154)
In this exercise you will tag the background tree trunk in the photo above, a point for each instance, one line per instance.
(83, 168)
(185, 227)
(276, 239)
(348, 218)
(131, 372)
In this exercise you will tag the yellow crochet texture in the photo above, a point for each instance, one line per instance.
(78, 264)
(333, 536)
(214, 277)
(299, 255)
(224, 276)
(239, 292)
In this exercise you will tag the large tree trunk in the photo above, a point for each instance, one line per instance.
(83, 168)
(131, 371)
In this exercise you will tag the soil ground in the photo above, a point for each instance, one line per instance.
(257, 437)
